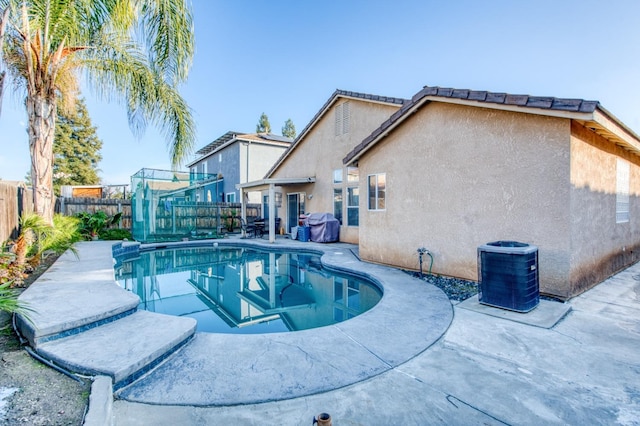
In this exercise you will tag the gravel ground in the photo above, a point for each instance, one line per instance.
(455, 288)
(32, 393)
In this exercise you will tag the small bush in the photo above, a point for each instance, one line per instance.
(115, 234)
(93, 224)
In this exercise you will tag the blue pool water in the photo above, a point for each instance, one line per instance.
(245, 290)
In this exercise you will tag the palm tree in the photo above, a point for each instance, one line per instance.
(3, 20)
(133, 51)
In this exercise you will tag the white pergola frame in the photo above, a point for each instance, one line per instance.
(270, 185)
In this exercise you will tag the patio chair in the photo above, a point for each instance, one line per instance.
(249, 228)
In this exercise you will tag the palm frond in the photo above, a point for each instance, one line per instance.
(10, 303)
(147, 95)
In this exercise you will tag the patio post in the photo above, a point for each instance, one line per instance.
(243, 211)
(272, 213)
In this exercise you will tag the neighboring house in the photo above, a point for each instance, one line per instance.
(82, 191)
(310, 175)
(454, 169)
(235, 158)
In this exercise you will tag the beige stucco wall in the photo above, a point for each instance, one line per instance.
(599, 245)
(321, 152)
(459, 177)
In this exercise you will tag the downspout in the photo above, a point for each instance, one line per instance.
(247, 160)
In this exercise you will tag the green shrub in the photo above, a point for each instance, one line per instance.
(115, 234)
(92, 224)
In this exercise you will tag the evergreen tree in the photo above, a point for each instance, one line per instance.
(289, 129)
(263, 125)
(76, 149)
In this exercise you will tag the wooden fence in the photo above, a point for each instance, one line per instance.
(72, 206)
(15, 199)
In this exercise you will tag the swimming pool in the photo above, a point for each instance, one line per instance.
(245, 290)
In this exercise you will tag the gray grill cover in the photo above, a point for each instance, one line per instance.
(325, 228)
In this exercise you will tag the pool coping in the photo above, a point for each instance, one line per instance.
(270, 367)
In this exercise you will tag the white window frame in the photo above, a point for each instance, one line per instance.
(355, 206)
(377, 198)
(230, 197)
(622, 191)
(337, 176)
(338, 197)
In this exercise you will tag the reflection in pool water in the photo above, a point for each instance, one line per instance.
(245, 290)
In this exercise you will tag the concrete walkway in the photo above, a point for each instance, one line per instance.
(486, 370)
(547, 367)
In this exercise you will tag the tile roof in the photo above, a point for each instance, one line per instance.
(338, 93)
(507, 99)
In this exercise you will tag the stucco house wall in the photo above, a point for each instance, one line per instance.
(458, 177)
(320, 152)
(599, 245)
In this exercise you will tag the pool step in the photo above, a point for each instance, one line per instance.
(123, 349)
(74, 295)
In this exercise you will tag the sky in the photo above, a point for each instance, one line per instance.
(286, 58)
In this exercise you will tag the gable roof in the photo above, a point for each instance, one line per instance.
(589, 113)
(327, 105)
(230, 136)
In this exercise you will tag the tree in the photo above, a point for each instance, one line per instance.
(289, 129)
(263, 125)
(133, 51)
(4, 15)
(76, 149)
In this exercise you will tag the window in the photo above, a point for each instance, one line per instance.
(230, 197)
(352, 174)
(342, 118)
(377, 191)
(353, 200)
(337, 176)
(337, 204)
(622, 192)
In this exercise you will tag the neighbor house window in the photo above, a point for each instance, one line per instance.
(230, 197)
(337, 204)
(342, 118)
(377, 189)
(622, 192)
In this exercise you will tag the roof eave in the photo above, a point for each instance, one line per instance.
(358, 152)
(608, 126)
(261, 184)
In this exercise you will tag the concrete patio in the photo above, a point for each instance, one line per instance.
(573, 363)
